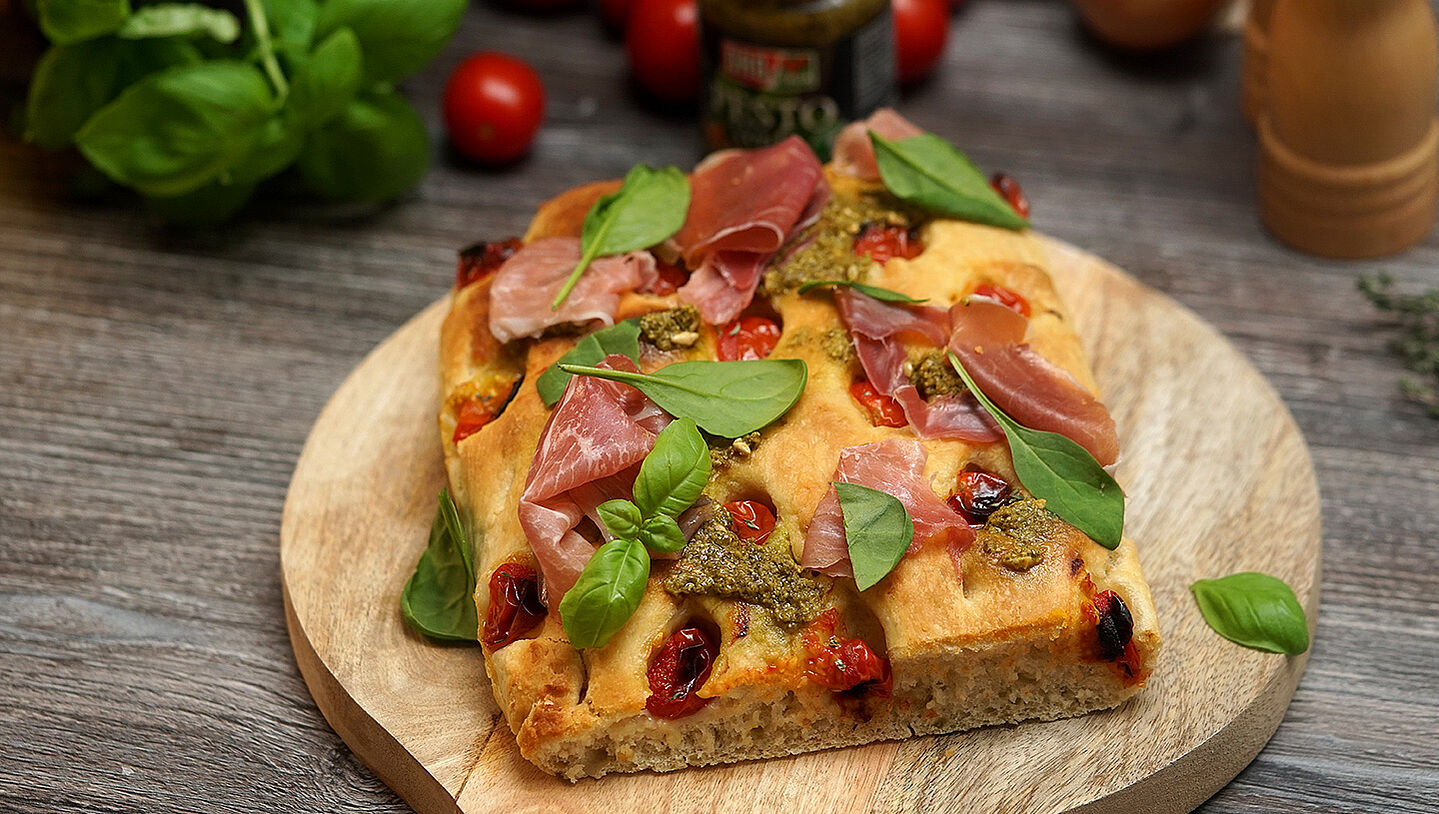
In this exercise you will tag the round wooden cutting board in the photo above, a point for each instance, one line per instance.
(1218, 478)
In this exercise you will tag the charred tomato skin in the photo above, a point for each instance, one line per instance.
(978, 494)
(1115, 627)
(515, 606)
(482, 259)
(678, 671)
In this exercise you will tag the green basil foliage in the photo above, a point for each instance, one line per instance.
(649, 207)
(929, 172)
(1062, 473)
(1254, 610)
(877, 530)
(194, 107)
(622, 338)
(874, 291)
(439, 598)
(612, 583)
(728, 399)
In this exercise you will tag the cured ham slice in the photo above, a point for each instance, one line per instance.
(527, 283)
(895, 467)
(988, 338)
(853, 152)
(588, 453)
(877, 329)
(745, 205)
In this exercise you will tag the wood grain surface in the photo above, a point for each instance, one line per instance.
(1200, 495)
(156, 388)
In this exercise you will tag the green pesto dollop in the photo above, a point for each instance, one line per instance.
(737, 450)
(830, 254)
(1018, 534)
(838, 346)
(673, 329)
(716, 562)
(932, 375)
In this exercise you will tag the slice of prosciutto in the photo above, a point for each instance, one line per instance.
(877, 329)
(589, 452)
(853, 152)
(745, 205)
(895, 467)
(988, 338)
(527, 283)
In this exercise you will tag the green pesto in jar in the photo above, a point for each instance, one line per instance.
(717, 562)
(1018, 534)
(673, 329)
(933, 376)
(829, 255)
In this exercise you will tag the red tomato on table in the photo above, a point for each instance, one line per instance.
(663, 42)
(921, 28)
(493, 105)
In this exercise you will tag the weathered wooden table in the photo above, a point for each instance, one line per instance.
(155, 390)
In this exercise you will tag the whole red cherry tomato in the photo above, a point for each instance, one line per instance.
(493, 106)
(921, 28)
(746, 338)
(882, 410)
(751, 520)
(662, 39)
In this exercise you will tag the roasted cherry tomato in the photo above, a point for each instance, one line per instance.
(746, 338)
(662, 39)
(477, 410)
(671, 277)
(978, 494)
(515, 606)
(1009, 299)
(483, 259)
(842, 664)
(751, 520)
(681, 668)
(1009, 190)
(921, 28)
(493, 107)
(882, 410)
(880, 241)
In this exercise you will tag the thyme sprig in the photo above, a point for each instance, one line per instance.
(1418, 342)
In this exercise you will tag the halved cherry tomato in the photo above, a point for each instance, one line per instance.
(493, 106)
(920, 30)
(880, 242)
(843, 664)
(663, 42)
(671, 277)
(747, 338)
(978, 494)
(483, 259)
(515, 606)
(751, 520)
(1009, 190)
(882, 410)
(681, 668)
(1009, 299)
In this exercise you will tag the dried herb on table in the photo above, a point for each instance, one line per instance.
(1418, 341)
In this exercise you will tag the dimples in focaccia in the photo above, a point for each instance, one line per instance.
(1013, 618)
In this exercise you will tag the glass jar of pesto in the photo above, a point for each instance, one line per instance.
(774, 68)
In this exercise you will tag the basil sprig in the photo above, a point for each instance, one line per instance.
(1062, 473)
(439, 598)
(622, 338)
(728, 399)
(929, 172)
(1254, 610)
(877, 529)
(647, 209)
(874, 291)
(612, 583)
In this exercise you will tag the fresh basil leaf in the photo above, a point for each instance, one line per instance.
(176, 130)
(292, 25)
(1062, 473)
(1255, 610)
(877, 530)
(71, 82)
(622, 338)
(621, 517)
(326, 81)
(179, 20)
(66, 22)
(207, 206)
(649, 207)
(439, 598)
(374, 150)
(606, 594)
(398, 37)
(728, 399)
(675, 471)
(278, 146)
(929, 172)
(883, 294)
(662, 533)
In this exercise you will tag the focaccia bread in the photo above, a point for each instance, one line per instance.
(1019, 617)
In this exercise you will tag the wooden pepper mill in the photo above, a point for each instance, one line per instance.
(1256, 58)
(1349, 140)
